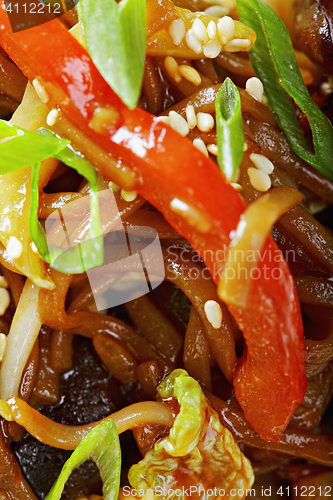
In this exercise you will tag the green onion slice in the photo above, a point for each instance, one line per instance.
(101, 444)
(20, 148)
(89, 253)
(229, 127)
(115, 36)
(274, 61)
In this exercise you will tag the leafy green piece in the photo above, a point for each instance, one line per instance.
(198, 446)
(184, 435)
(229, 127)
(21, 148)
(274, 61)
(89, 253)
(101, 444)
(115, 35)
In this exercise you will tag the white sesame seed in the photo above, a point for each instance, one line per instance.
(213, 313)
(178, 123)
(103, 118)
(199, 30)
(254, 87)
(199, 144)
(211, 30)
(217, 11)
(237, 45)
(33, 247)
(245, 147)
(128, 195)
(114, 187)
(163, 119)
(259, 179)
(262, 163)
(190, 74)
(213, 149)
(177, 31)
(191, 117)
(192, 41)
(52, 117)
(40, 91)
(14, 248)
(179, 205)
(236, 186)
(4, 300)
(3, 343)
(3, 282)
(226, 29)
(172, 68)
(326, 88)
(205, 122)
(212, 48)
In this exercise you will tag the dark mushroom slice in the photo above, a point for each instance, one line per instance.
(314, 32)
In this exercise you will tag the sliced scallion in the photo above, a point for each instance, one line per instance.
(101, 444)
(229, 127)
(274, 61)
(115, 36)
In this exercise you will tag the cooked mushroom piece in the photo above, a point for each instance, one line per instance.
(313, 32)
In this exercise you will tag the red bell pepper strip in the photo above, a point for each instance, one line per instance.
(270, 379)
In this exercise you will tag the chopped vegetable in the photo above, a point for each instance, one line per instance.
(229, 127)
(20, 148)
(183, 173)
(250, 236)
(312, 27)
(198, 451)
(23, 333)
(162, 43)
(40, 146)
(23, 148)
(274, 61)
(163, 38)
(101, 444)
(89, 253)
(115, 35)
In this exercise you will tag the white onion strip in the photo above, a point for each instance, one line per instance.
(20, 341)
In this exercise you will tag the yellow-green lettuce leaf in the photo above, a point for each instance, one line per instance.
(198, 452)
